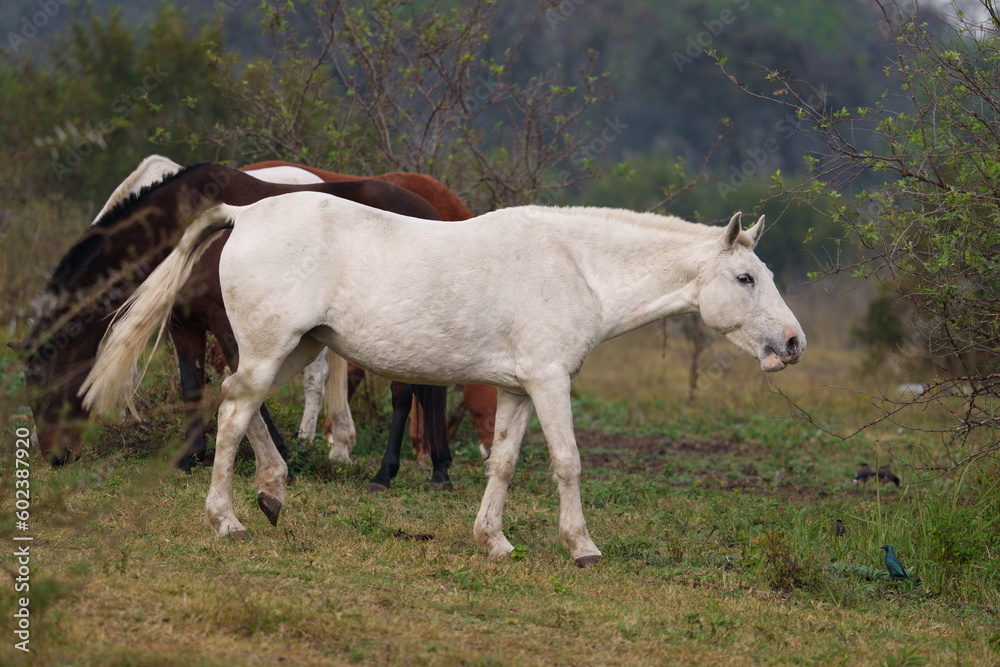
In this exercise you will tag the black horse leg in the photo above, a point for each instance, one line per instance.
(189, 344)
(279, 442)
(433, 399)
(402, 399)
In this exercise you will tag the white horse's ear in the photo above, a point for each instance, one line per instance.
(756, 231)
(732, 232)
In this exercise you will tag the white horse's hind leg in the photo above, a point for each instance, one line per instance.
(513, 411)
(556, 417)
(313, 383)
(272, 471)
(243, 396)
(243, 392)
(342, 435)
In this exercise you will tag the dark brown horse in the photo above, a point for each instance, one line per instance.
(116, 254)
(437, 194)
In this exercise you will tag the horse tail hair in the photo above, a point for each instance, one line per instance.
(115, 376)
(340, 429)
(335, 393)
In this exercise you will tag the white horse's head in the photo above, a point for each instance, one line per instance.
(737, 297)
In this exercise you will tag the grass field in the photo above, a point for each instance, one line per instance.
(715, 516)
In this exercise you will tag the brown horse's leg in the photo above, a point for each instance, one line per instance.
(481, 400)
(218, 359)
(420, 446)
(355, 376)
(433, 399)
(402, 400)
(189, 344)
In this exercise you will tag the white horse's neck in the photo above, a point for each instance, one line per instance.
(641, 266)
(151, 170)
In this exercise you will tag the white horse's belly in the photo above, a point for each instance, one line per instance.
(422, 359)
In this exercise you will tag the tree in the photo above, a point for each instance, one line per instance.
(75, 122)
(880, 330)
(388, 85)
(914, 178)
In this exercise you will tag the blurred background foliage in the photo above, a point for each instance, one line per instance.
(99, 86)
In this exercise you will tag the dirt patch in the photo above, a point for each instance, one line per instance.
(654, 453)
(785, 490)
(660, 446)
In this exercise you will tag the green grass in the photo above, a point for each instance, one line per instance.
(715, 518)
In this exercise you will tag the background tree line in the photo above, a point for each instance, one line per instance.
(226, 80)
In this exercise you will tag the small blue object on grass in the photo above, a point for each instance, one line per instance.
(892, 564)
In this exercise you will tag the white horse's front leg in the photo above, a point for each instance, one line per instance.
(340, 425)
(555, 413)
(272, 470)
(313, 382)
(513, 411)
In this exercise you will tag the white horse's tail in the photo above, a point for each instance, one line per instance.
(341, 434)
(115, 375)
(335, 392)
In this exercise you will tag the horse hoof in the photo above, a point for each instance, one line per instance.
(587, 561)
(270, 506)
(238, 535)
(188, 462)
(375, 487)
(440, 486)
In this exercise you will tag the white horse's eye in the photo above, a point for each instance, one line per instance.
(745, 279)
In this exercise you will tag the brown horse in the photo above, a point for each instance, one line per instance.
(113, 256)
(480, 400)
(437, 194)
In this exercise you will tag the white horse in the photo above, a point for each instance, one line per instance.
(317, 375)
(517, 298)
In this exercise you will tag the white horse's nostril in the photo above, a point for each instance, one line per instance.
(793, 346)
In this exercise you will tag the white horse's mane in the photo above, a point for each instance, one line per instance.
(152, 169)
(667, 223)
